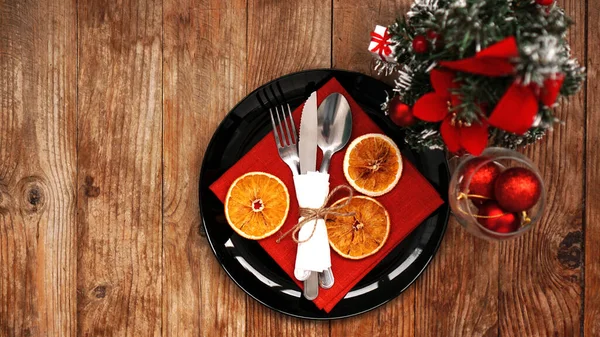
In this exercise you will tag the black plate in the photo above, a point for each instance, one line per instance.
(251, 268)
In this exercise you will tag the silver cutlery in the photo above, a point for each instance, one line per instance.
(328, 127)
(335, 127)
(307, 149)
(297, 154)
(285, 135)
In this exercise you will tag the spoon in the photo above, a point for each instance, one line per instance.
(334, 121)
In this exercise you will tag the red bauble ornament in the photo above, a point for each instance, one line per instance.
(432, 34)
(544, 2)
(517, 189)
(496, 219)
(482, 180)
(435, 38)
(419, 44)
(400, 113)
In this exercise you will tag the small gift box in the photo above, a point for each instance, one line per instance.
(381, 45)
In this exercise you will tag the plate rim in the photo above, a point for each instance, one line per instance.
(446, 216)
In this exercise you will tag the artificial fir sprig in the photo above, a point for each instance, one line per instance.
(460, 29)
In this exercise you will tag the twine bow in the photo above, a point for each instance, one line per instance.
(310, 214)
(383, 43)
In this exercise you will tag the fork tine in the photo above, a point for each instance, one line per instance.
(275, 134)
(265, 106)
(283, 121)
(287, 127)
(294, 134)
(284, 140)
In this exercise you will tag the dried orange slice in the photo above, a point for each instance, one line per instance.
(257, 205)
(361, 235)
(373, 164)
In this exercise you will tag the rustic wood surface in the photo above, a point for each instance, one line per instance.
(106, 110)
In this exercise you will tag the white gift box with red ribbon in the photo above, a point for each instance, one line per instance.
(381, 45)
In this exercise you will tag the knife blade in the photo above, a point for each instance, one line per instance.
(308, 135)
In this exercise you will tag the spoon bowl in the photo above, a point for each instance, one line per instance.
(334, 120)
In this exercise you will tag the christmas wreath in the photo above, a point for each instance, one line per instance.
(477, 73)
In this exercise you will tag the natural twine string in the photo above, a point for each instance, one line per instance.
(310, 214)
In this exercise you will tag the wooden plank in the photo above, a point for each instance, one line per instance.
(592, 193)
(38, 57)
(120, 175)
(284, 37)
(458, 293)
(396, 318)
(352, 23)
(541, 272)
(204, 77)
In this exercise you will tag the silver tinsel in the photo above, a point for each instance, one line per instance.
(419, 6)
(384, 67)
(546, 54)
(404, 80)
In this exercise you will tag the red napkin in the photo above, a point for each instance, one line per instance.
(408, 204)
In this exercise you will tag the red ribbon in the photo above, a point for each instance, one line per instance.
(383, 44)
(516, 110)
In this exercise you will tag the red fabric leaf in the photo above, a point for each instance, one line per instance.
(450, 135)
(431, 107)
(474, 138)
(506, 48)
(442, 81)
(492, 61)
(551, 89)
(516, 110)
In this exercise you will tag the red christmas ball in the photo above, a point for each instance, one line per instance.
(435, 38)
(496, 219)
(482, 180)
(400, 113)
(544, 2)
(432, 34)
(419, 44)
(517, 189)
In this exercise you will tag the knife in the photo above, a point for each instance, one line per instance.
(307, 147)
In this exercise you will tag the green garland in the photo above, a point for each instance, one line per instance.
(465, 27)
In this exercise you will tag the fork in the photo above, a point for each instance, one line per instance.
(286, 139)
(284, 130)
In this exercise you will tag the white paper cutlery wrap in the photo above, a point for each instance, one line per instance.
(314, 255)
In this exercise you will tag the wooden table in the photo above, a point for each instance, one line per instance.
(106, 109)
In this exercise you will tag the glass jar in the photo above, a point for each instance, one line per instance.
(468, 207)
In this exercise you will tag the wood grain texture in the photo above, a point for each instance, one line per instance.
(119, 168)
(396, 318)
(38, 57)
(204, 77)
(592, 193)
(106, 108)
(540, 273)
(284, 37)
(287, 36)
(352, 23)
(458, 293)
